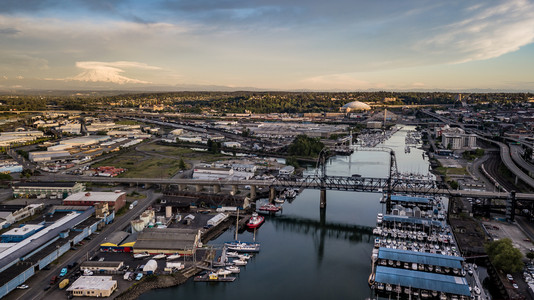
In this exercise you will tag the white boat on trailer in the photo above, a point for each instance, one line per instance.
(141, 255)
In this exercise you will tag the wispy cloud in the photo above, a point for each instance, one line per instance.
(95, 71)
(491, 31)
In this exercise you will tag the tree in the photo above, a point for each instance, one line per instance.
(504, 256)
(530, 255)
(181, 164)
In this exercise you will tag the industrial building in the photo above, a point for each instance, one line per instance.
(167, 240)
(59, 189)
(93, 286)
(115, 200)
(10, 214)
(10, 166)
(19, 234)
(19, 261)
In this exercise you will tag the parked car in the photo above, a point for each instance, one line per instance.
(509, 276)
(139, 276)
(54, 279)
(63, 272)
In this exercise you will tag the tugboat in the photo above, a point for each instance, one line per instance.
(255, 221)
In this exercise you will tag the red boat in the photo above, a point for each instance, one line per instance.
(255, 221)
(270, 208)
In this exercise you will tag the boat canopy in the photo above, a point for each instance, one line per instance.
(447, 261)
(402, 198)
(411, 220)
(423, 280)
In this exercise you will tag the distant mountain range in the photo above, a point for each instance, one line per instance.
(71, 87)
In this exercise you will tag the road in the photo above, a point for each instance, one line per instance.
(39, 281)
(516, 151)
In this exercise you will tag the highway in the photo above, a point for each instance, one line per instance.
(506, 156)
(516, 151)
(41, 279)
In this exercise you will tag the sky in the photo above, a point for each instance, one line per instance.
(268, 44)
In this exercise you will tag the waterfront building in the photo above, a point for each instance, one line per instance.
(167, 240)
(101, 265)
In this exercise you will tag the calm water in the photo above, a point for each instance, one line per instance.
(308, 256)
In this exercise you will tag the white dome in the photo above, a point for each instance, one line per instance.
(356, 105)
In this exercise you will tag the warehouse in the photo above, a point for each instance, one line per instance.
(60, 189)
(93, 286)
(16, 235)
(115, 199)
(167, 240)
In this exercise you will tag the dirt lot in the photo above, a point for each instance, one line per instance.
(500, 230)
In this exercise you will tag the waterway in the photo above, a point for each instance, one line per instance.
(308, 256)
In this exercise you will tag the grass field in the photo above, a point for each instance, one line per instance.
(452, 171)
(140, 165)
(157, 161)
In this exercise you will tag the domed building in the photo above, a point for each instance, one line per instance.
(354, 106)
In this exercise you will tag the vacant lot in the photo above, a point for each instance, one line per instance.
(141, 165)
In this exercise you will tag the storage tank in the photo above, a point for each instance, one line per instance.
(150, 266)
(137, 225)
(168, 212)
(147, 216)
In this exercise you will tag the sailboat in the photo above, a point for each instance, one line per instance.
(239, 246)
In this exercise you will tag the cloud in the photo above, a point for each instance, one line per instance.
(9, 31)
(489, 32)
(95, 71)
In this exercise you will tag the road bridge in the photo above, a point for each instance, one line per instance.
(516, 151)
(356, 184)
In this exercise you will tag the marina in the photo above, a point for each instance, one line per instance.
(313, 246)
(416, 254)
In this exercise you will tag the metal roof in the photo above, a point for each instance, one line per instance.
(45, 184)
(402, 198)
(447, 261)
(406, 219)
(423, 280)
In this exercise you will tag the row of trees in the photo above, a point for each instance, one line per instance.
(304, 145)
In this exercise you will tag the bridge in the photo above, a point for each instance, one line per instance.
(356, 184)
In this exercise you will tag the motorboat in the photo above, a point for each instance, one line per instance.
(240, 262)
(233, 269)
(279, 200)
(255, 221)
(270, 208)
(141, 255)
(477, 290)
(173, 256)
(224, 272)
(244, 256)
(159, 256)
(232, 254)
(242, 246)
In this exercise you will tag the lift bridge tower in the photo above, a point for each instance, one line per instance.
(391, 180)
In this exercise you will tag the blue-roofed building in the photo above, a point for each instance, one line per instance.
(430, 259)
(21, 233)
(410, 199)
(452, 285)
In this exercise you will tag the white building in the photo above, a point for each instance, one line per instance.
(93, 286)
(456, 141)
(231, 144)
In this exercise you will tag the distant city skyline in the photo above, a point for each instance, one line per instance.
(267, 44)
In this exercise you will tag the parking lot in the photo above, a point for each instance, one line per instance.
(501, 230)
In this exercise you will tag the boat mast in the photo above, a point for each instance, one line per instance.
(236, 223)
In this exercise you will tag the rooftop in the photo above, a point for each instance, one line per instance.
(411, 220)
(23, 230)
(95, 196)
(423, 280)
(44, 184)
(93, 283)
(447, 261)
(401, 198)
